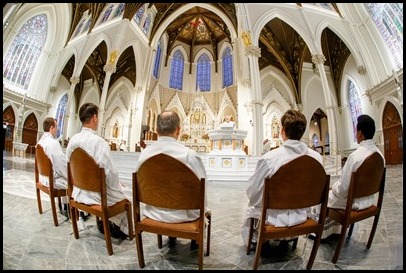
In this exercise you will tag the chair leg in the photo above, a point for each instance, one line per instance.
(159, 237)
(73, 212)
(340, 243)
(251, 232)
(350, 230)
(140, 250)
(258, 253)
(294, 245)
(39, 201)
(201, 250)
(208, 234)
(373, 230)
(107, 235)
(53, 208)
(315, 247)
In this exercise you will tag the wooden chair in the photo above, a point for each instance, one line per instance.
(84, 173)
(299, 183)
(367, 180)
(166, 182)
(43, 166)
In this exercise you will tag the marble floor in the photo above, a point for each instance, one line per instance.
(31, 241)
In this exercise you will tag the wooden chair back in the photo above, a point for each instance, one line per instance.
(299, 183)
(84, 173)
(367, 180)
(43, 166)
(166, 182)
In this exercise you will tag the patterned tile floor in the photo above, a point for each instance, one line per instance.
(31, 241)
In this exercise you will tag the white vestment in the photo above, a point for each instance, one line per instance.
(267, 166)
(53, 150)
(170, 146)
(338, 195)
(99, 149)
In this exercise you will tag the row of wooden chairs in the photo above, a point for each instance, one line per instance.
(180, 188)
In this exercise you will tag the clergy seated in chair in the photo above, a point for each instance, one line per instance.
(170, 180)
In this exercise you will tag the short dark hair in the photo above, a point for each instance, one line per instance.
(48, 123)
(167, 122)
(87, 111)
(366, 125)
(294, 124)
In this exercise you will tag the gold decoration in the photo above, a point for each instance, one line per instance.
(246, 37)
(113, 57)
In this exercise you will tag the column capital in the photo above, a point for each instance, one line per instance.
(109, 68)
(253, 50)
(75, 80)
(318, 59)
(361, 70)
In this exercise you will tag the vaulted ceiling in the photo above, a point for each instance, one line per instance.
(281, 46)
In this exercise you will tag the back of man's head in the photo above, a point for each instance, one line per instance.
(366, 125)
(294, 124)
(48, 123)
(87, 111)
(167, 123)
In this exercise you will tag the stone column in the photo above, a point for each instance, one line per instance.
(318, 60)
(253, 53)
(74, 81)
(109, 69)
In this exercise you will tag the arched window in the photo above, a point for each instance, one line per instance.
(157, 61)
(147, 23)
(388, 18)
(79, 27)
(24, 52)
(107, 13)
(227, 68)
(355, 105)
(203, 72)
(119, 10)
(138, 16)
(87, 25)
(176, 78)
(60, 113)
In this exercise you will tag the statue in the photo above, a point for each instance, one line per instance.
(115, 130)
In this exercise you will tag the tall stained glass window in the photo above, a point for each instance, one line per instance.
(25, 49)
(176, 77)
(355, 105)
(60, 113)
(157, 61)
(227, 67)
(119, 10)
(138, 16)
(203, 72)
(388, 18)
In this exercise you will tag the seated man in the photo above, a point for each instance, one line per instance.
(293, 127)
(99, 149)
(168, 129)
(337, 197)
(53, 150)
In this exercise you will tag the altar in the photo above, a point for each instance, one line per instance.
(19, 150)
(227, 148)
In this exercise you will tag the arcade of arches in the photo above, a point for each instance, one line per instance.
(251, 62)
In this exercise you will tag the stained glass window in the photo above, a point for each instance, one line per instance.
(25, 49)
(107, 13)
(176, 78)
(388, 18)
(157, 61)
(119, 10)
(79, 27)
(60, 113)
(138, 16)
(87, 26)
(355, 106)
(203, 72)
(227, 68)
(147, 23)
